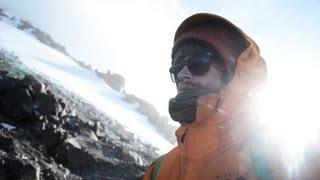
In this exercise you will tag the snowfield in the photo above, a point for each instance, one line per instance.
(63, 71)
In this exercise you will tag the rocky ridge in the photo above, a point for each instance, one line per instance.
(47, 132)
(114, 80)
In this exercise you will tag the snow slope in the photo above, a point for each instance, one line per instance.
(61, 70)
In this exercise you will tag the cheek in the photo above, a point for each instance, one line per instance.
(211, 80)
(204, 82)
(211, 83)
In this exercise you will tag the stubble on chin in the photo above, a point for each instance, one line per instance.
(189, 86)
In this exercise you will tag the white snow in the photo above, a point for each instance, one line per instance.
(63, 71)
(74, 142)
(8, 126)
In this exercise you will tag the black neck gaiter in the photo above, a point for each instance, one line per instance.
(183, 107)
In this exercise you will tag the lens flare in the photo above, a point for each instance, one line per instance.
(288, 110)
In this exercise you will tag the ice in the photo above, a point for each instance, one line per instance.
(62, 70)
(8, 126)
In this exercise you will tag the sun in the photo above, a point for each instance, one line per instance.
(289, 110)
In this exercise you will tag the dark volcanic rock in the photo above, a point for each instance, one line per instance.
(47, 104)
(47, 132)
(19, 159)
(18, 104)
(6, 82)
(15, 168)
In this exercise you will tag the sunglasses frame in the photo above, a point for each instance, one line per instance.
(198, 64)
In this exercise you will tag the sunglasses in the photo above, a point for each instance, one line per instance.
(197, 64)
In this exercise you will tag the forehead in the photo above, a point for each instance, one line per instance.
(188, 49)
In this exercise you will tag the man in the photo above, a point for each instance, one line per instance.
(216, 68)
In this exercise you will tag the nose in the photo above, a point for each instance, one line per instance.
(184, 74)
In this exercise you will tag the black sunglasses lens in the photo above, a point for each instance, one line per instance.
(199, 65)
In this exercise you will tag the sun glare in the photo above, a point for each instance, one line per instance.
(288, 109)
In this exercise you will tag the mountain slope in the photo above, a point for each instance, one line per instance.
(54, 111)
(63, 71)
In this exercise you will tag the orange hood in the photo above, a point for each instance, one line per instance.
(215, 144)
(230, 109)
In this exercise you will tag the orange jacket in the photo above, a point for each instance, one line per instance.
(217, 144)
